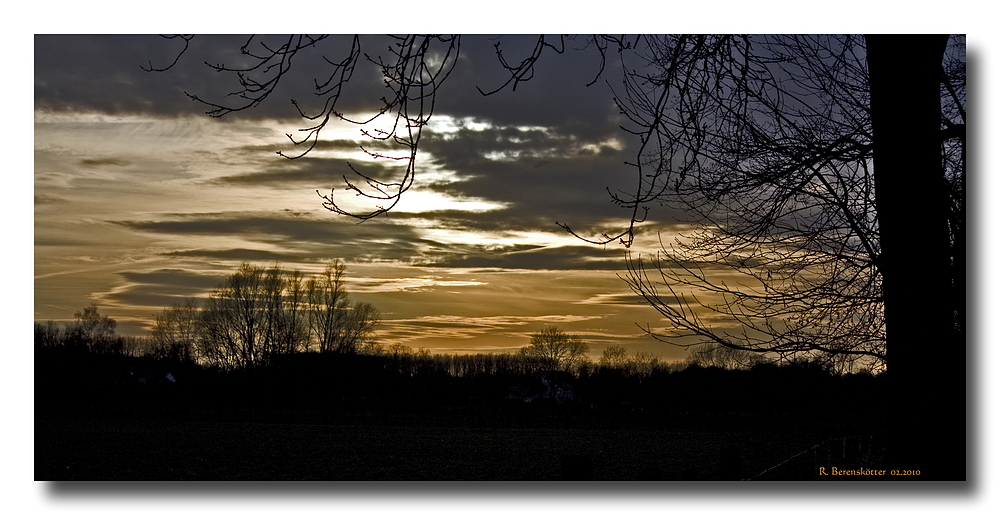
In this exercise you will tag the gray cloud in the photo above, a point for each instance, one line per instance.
(59, 241)
(239, 255)
(559, 258)
(95, 163)
(41, 199)
(301, 238)
(547, 173)
(315, 173)
(310, 240)
(102, 73)
(180, 279)
(160, 288)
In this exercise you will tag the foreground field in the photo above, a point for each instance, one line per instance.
(114, 444)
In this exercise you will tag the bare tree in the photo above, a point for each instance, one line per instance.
(336, 324)
(93, 332)
(294, 330)
(175, 331)
(253, 317)
(553, 349)
(94, 325)
(637, 363)
(360, 323)
(766, 143)
(711, 355)
(233, 321)
(615, 356)
(48, 335)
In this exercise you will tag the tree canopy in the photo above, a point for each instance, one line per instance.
(553, 349)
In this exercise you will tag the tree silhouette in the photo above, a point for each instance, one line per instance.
(614, 356)
(93, 332)
(912, 171)
(92, 324)
(767, 144)
(260, 313)
(175, 332)
(553, 349)
(334, 323)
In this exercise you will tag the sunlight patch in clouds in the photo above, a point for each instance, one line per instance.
(445, 124)
(423, 201)
(382, 285)
(497, 239)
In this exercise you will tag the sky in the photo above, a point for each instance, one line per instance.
(142, 200)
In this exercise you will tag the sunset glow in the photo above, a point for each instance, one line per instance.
(137, 208)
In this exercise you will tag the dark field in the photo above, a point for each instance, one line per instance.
(115, 443)
(354, 417)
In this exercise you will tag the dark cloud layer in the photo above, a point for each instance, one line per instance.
(312, 173)
(300, 238)
(162, 287)
(546, 152)
(96, 163)
(175, 277)
(103, 73)
(312, 240)
(238, 255)
(42, 199)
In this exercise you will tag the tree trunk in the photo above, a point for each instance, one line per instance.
(925, 359)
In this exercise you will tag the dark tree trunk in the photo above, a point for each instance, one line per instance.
(925, 355)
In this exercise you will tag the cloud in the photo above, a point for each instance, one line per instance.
(59, 241)
(409, 284)
(615, 299)
(159, 288)
(312, 172)
(557, 258)
(95, 163)
(101, 73)
(297, 237)
(173, 277)
(42, 199)
(291, 236)
(238, 255)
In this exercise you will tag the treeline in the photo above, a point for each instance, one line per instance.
(267, 336)
(90, 333)
(398, 379)
(325, 385)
